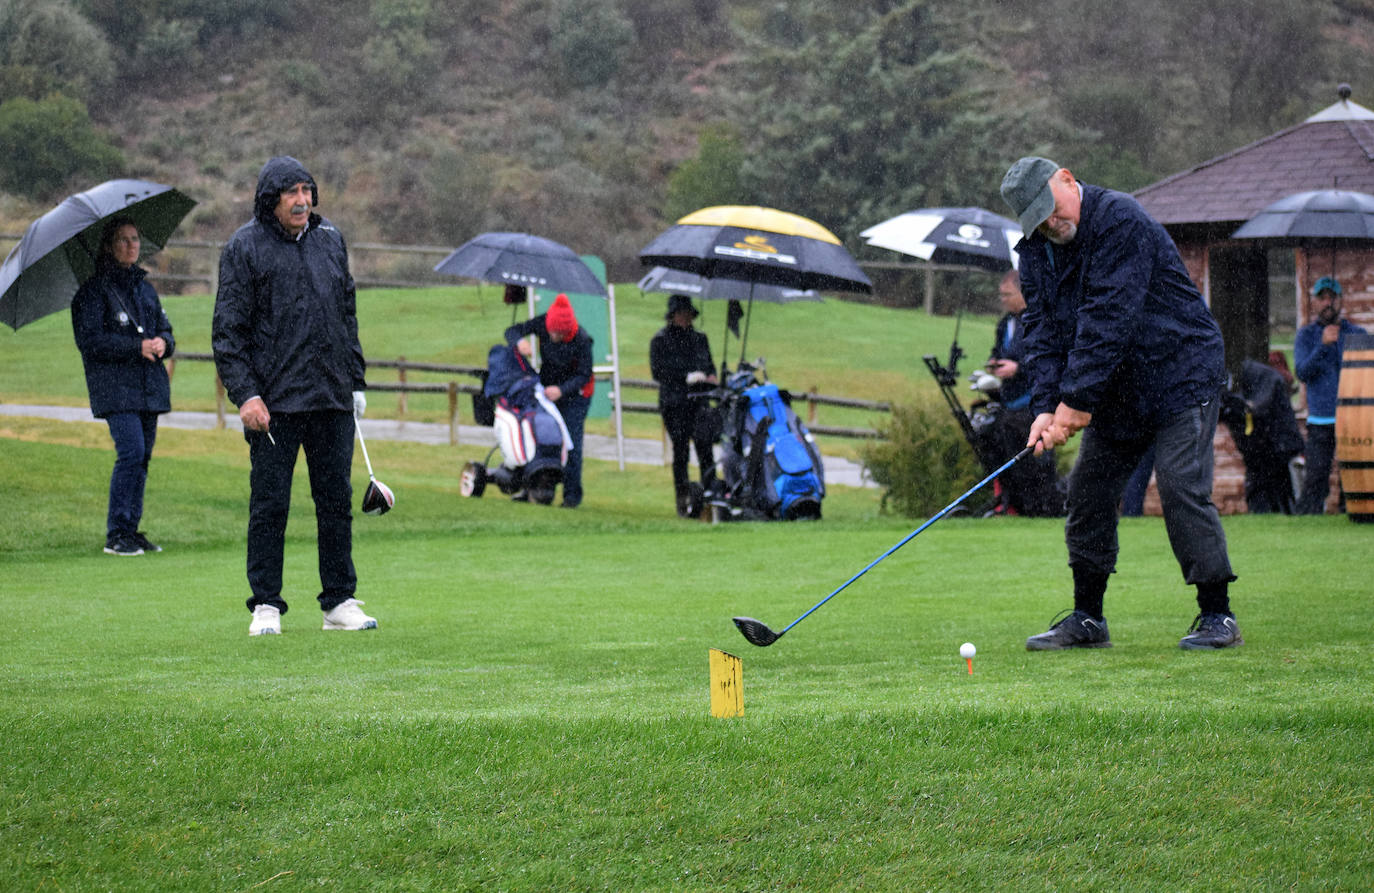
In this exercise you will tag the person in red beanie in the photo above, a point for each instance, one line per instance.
(565, 371)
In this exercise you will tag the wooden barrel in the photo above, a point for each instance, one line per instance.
(1355, 426)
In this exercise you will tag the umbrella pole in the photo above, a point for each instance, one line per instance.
(748, 315)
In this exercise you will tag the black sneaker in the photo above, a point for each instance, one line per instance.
(144, 543)
(1212, 631)
(122, 544)
(1076, 630)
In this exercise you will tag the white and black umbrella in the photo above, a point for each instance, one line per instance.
(965, 236)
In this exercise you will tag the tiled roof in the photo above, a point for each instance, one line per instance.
(1333, 149)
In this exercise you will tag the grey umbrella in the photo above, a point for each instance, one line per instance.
(58, 251)
(522, 259)
(1309, 217)
(678, 282)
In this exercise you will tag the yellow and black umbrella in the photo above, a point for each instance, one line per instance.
(760, 245)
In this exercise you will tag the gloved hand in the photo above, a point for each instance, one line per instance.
(359, 403)
(696, 377)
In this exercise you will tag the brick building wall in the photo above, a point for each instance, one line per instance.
(1355, 271)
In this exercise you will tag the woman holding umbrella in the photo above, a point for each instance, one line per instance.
(123, 335)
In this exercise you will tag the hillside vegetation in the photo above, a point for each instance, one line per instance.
(595, 122)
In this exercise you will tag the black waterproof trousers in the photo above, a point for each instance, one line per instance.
(327, 438)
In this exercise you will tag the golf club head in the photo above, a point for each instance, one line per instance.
(756, 631)
(378, 499)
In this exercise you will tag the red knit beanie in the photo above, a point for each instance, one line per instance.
(560, 319)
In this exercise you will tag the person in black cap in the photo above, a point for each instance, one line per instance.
(680, 361)
(1120, 346)
(1317, 361)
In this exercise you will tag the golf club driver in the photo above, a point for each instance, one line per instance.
(378, 499)
(758, 633)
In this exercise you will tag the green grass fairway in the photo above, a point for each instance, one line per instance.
(532, 713)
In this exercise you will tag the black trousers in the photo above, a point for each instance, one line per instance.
(327, 439)
(1316, 484)
(1183, 471)
(686, 429)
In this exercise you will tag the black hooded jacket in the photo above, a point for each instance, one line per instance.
(286, 326)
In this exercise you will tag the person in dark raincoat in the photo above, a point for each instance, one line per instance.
(123, 335)
(1121, 346)
(680, 361)
(285, 337)
(565, 370)
(1260, 416)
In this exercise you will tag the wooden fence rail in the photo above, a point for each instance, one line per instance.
(403, 386)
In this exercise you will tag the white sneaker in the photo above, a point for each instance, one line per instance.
(347, 615)
(266, 621)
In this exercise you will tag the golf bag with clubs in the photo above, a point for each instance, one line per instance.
(1033, 487)
(530, 434)
(769, 463)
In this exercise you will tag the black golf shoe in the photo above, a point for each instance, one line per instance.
(1212, 631)
(1075, 630)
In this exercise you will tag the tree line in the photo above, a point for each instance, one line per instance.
(597, 122)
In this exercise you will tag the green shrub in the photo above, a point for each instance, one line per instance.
(710, 178)
(49, 142)
(923, 462)
(590, 40)
(56, 40)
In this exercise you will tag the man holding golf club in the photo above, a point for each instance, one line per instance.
(1120, 346)
(285, 337)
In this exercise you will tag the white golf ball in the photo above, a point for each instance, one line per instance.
(967, 650)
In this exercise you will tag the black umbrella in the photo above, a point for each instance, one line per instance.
(677, 282)
(522, 259)
(58, 251)
(969, 236)
(1305, 218)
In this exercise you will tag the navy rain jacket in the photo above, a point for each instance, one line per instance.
(1114, 325)
(566, 365)
(286, 324)
(107, 314)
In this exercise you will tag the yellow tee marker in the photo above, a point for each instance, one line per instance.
(727, 684)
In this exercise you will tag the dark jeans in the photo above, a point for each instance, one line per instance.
(133, 434)
(1316, 482)
(327, 437)
(1183, 472)
(681, 423)
(574, 412)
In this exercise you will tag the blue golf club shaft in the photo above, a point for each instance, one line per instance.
(910, 536)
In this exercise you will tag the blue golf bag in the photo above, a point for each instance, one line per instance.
(771, 467)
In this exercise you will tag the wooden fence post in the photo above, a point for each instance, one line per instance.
(453, 413)
(401, 376)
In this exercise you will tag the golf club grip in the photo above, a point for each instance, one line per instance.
(910, 536)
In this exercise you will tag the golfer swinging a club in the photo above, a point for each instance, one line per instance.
(1120, 345)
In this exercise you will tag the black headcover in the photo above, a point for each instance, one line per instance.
(378, 499)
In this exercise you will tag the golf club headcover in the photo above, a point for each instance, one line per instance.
(378, 499)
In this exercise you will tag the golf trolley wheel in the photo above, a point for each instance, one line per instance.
(473, 479)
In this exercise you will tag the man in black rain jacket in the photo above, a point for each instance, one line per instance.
(285, 337)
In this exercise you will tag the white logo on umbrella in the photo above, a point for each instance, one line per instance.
(971, 235)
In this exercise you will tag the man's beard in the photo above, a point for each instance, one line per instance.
(1065, 237)
(1328, 315)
